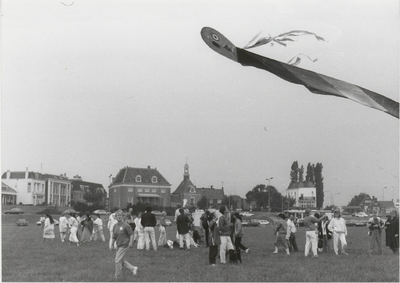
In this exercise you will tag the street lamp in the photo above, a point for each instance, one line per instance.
(269, 193)
(383, 194)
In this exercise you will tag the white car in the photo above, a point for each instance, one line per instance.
(100, 212)
(361, 214)
(247, 214)
(264, 222)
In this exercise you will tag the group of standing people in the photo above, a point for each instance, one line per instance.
(79, 229)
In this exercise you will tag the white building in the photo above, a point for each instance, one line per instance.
(304, 193)
(36, 188)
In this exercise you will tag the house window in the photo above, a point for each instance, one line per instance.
(130, 190)
(138, 178)
(192, 189)
(153, 190)
(29, 187)
(130, 200)
(163, 191)
(211, 201)
(147, 190)
(154, 179)
(219, 201)
(140, 190)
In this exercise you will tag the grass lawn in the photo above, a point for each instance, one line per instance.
(26, 258)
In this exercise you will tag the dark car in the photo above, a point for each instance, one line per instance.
(245, 223)
(22, 222)
(15, 210)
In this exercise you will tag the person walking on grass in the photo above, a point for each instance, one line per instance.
(149, 222)
(392, 232)
(375, 226)
(311, 232)
(225, 227)
(291, 234)
(48, 229)
(281, 233)
(339, 230)
(162, 241)
(214, 238)
(110, 225)
(63, 227)
(73, 225)
(97, 228)
(123, 238)
(182, 224)
(238, 233)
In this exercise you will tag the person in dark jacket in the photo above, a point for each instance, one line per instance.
(149, 222)
(225, 226)
(324, 234)
(204, 223)
(182, 223)
(392, 233)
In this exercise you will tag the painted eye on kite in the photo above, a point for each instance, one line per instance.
(215, 37)
(216, 44)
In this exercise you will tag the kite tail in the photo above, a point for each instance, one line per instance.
(318, 83)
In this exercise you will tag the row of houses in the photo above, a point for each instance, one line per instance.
(130, 185)
(369, 204)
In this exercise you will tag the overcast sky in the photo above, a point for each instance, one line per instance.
(89, 87)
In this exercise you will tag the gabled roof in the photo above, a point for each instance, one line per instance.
(128, 175)
(212, 193)
(21, 175)
(386, 203)
(183, 187)
(305, 184)
(5, 189)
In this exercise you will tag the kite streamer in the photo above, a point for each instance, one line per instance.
(280, 39)
(314, 82)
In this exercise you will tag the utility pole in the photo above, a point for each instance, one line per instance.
(269, 193)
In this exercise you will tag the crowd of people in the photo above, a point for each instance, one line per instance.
(221, 229)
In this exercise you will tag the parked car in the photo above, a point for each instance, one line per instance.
(361, 214)
(22, 222)
(264, 222)
(345, 213)
(168, 222)
(246, 214)
(100, 211)
(199, 210)
(15, 210)
(300, 222)
(39, 223)
(351, 222)
(156, 212)
(254, 222)
(245, 223)
(361, 223)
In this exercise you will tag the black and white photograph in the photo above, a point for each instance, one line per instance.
(200, 141)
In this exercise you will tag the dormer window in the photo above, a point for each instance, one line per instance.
(138, 178)
(192, 189)
(154, 179)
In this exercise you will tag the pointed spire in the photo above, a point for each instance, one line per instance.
(186, 171)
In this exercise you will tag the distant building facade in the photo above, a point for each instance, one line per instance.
(80, 187)
(8, 195)
(133, 185)
(36, 188)
(189, 192)
(304, 194)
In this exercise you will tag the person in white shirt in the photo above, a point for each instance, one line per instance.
(110, 225)
(97, 228)
(290, 236)
(339, 230)
(63, 226)
(139, 232)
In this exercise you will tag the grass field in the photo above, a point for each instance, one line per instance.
(26, 258)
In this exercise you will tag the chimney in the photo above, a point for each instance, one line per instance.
(148, 167)
(8, 174)
(26, 173)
